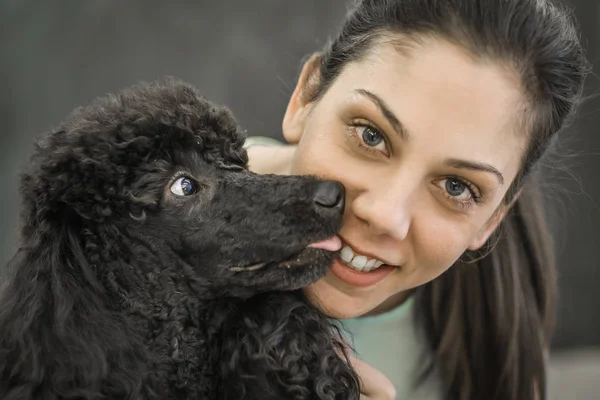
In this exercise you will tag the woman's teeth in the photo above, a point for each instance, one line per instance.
(357, 261)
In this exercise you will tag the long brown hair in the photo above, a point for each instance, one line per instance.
(488, 319)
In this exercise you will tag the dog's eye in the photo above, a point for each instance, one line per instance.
(184, 186)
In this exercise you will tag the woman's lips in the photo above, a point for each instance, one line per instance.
(358, 278)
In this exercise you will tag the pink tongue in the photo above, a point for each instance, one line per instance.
(332, 244)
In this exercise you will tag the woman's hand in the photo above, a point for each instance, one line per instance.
(271, 159)
(374, 385)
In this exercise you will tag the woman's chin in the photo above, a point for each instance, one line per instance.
(338, 303)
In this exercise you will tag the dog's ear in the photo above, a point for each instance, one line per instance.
(73, 177)
(58, 339)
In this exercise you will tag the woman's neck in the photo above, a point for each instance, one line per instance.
(389, 304)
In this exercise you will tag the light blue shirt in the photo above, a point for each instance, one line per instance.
(390, 343)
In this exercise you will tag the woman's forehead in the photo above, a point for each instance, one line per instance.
(445, 99)
(439, 74)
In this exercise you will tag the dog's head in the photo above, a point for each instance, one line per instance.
(158, 166)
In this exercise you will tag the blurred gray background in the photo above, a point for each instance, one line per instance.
(246, 54)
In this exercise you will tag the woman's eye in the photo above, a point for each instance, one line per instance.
(184, 186)
(371, 137)
(456, 188)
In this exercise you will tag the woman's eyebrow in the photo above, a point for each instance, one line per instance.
(385, 110)
(476, 166)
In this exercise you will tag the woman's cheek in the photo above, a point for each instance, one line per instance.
(437, 245)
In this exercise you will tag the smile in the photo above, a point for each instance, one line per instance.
(357, 261)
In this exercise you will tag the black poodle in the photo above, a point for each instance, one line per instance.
(153, 265)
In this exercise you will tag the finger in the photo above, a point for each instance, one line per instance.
(374, 384)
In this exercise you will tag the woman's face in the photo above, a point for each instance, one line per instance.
(426, 145)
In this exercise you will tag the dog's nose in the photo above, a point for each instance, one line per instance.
(330, 194)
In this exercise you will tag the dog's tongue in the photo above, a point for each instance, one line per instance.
(332, 244)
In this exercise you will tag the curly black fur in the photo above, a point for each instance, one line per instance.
(153, 265)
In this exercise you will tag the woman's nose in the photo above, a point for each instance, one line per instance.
(385, 212)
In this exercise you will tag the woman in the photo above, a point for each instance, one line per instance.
(434, 115)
